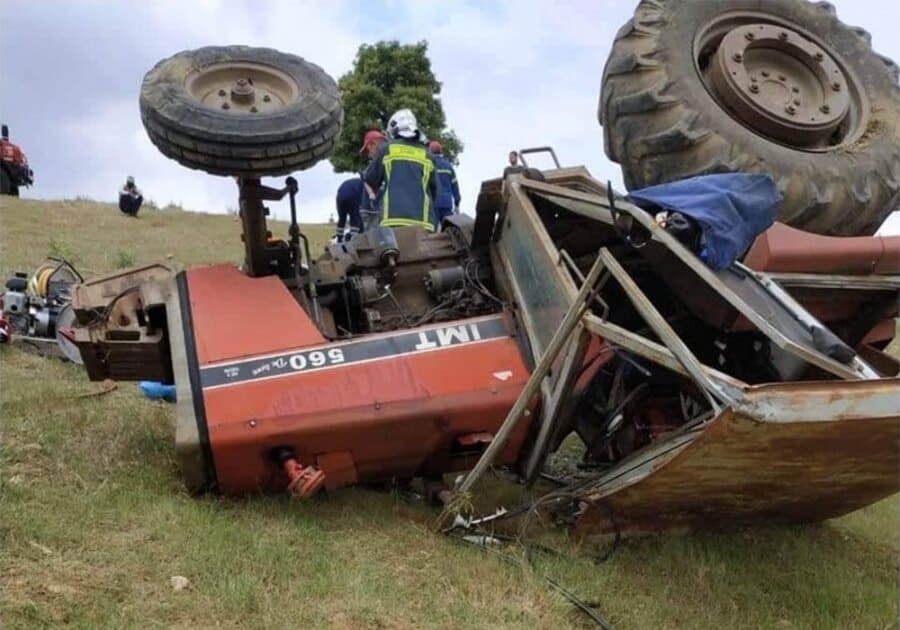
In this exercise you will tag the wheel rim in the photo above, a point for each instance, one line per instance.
(779, 81)
(242, 88)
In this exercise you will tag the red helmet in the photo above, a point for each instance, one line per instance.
(371, 136)
(435, 147)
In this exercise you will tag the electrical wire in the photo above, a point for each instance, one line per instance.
(570, 492)
(478, 284)
(104, 316)
(584, 607)
(399, 307)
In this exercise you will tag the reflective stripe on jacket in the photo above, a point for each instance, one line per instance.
(407, 169)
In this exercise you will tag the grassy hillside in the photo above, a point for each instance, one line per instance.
(94, 521)
(98, 238)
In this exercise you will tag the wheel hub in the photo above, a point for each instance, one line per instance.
(241, 88)
(242, 92)
(780, 83)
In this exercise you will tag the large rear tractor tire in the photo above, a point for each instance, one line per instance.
(775, 86)
(238, 110)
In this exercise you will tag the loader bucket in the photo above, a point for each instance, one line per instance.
(787, 452)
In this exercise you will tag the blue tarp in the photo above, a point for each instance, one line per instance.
(732, 209)
(158, 391)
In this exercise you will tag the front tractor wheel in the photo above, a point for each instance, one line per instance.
(238, 110)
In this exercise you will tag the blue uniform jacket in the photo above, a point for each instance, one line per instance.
(449, 197)
(408, 171)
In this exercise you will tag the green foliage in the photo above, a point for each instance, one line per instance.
(60, 248)
(124, 259)
(388, 76)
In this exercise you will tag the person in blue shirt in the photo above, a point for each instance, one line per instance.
(351, 196)
(407, 170)
(447, 202)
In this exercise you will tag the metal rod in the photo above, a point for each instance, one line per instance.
(294, 228)
(560, 337)
(661, 327)
(603, 280)
(313, 291)
(558, 399)
(253, 222)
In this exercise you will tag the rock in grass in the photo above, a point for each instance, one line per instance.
(179, 582)
(42, 548)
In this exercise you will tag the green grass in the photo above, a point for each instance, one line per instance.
(94, 521)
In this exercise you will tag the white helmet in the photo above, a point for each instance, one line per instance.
(403, 123)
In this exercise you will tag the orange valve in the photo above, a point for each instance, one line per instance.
(303, 481)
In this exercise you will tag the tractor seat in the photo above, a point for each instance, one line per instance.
(788, 250)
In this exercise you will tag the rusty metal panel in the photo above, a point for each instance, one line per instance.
(541, 288)
(787, 452)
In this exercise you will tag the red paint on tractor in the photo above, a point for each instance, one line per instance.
(236, 315)
(398, 416)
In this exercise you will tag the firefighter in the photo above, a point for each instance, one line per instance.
(447, 202)
(407, 170)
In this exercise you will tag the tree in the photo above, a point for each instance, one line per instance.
(388, 76)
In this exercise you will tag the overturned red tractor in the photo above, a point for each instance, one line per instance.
(700, 396)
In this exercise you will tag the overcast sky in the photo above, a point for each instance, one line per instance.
(515, 73)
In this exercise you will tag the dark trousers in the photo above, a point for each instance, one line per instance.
(356, 223)
(443, 213)
(130, 205)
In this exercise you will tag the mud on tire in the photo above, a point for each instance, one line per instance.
(662, 122)
(287, 120)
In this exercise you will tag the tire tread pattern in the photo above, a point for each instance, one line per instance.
(657, 131)
(296, 138)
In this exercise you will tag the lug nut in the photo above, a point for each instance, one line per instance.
(795, 90)
(754, 88)
(790, 109)
(797, 102)
(825, 108)
(222, 92)
(753, 80)
(267, 98)
(750, 36)
(819, 56)
(226, 106)
(782, 78)
(782, 35)
(836, 86)
(765, 73)
(737, 57)
(253, 109)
